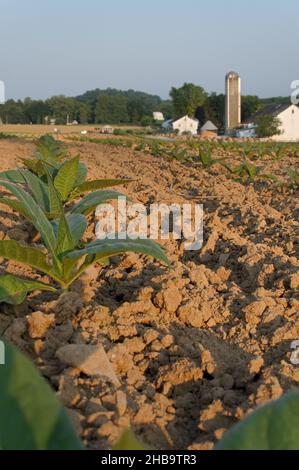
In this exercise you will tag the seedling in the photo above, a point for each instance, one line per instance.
(206, 159)
(68, 176)
(294, 175)
(63, 256)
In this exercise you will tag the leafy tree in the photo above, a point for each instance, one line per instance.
(12, 112)
(61, 108)
(250, 104)
(212, 110)
(35, 111)
(187, 99)
(267, 126)
(111, 109)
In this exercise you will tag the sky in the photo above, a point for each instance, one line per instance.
(70, 46)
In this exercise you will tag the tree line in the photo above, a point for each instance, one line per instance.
(113, 106)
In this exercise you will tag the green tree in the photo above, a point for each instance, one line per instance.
(212, 110)
(12, 112)
(111, 109)
(35, 111)
(250, 105)
(187, 99)
(62, 108)
(267, 126)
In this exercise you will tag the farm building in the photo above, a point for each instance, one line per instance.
(107, 130)
(158, 116)
(209, 130)
(288, 114)
(184, 125)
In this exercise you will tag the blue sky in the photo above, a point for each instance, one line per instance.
(69, 46)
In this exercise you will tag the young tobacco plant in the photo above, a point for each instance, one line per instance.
(294, 175)
(205, 157)
(50, 158)
(63, 255)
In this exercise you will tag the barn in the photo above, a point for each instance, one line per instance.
(288, 114)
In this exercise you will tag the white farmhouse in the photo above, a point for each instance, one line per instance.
(184, 125)
(158, 116)
(288, 114)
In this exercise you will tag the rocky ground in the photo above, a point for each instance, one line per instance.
(183, 354)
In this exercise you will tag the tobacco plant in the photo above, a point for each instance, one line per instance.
(205, 157)
(44, 200)
(294, 175)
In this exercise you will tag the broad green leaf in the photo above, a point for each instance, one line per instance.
(77, 224)
(37, 188)
(15, 205)
(14, 290)
(36, 166)
(128, 441)
(15, 176)
(106, 248)
(97, 184)
(66, 177)
(81, 175)
(271, 427)
(31, 417)
(35, 213)
(56, 208)
(50, 151)
(13, 250)
(65, 241)
(91, 201)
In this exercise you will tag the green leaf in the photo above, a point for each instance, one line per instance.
(38, 189)
(55, 202)
(272, 427)
(36, 166)
(15, 205)
(106, 248)
(50, 151)
(35, 213)
(14, 290)
(66, 177)
(31, 417)
(65, 241)
(15, 176)
(97, 184)
(128, 441)
(13, 250)
(91, 201)
(77, 224)
(81, 175)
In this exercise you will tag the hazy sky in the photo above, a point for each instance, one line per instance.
(70, 46)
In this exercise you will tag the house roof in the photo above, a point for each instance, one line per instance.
(272, 110)
(209, 126)
(186, 117)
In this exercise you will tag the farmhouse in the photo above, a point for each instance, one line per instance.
(288, 114)
(184, 125)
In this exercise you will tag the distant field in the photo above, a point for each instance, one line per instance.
(34, 129)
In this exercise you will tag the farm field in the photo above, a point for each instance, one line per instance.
(197, 347)
(36, 130)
